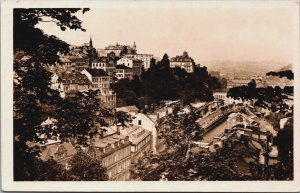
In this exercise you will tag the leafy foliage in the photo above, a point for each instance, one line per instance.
(271, 98)
(34, 100)
(201, 166)
(85, 168)
(287, 73)
(160, 82)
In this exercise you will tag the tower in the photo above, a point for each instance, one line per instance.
(134, 48)
(91, 43)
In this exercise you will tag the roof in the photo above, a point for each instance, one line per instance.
(49, 121)
(136, 134)
(122, 67)
(111, 139)
(127, 109)
(76, 78)
(96, 72)
(50, 150)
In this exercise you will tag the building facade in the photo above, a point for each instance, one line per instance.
(146, 58)
(123, 72)
(104, 63)
(141, 141)
(99, 78)
(185, 62)
(134, 64)
(115, 153)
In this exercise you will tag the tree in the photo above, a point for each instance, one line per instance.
(85, 168)
(33, 49)
(287, 73)
(160, 82)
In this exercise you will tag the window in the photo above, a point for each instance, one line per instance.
(139, 122)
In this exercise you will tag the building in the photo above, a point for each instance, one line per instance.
(123, 71)
(114, 150)
(147, 123)
(135, 65)
(106, 64)
(185, 62)
(223, 96)
(146, 58)
(141, 141)
(54, 149)
(108, 100)
(99, 78)
(120, 50)
(69, 83)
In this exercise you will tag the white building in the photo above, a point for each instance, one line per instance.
(134, 64)
(146, 58)
(147, 123)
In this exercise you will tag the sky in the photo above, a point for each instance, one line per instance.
(254, 32)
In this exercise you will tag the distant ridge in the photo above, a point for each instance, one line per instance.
(288, 67)
(240, 66)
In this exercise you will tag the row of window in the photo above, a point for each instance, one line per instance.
(142, 143)
(100, 79)
(111, 159)
(119, 168)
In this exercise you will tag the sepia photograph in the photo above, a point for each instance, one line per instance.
(134, 92)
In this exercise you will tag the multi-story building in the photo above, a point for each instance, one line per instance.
(108, 100)
(69, 83)
(135, 65)
(114, 150)
(99, 78)
(120, 49)
(123, 71)
(106, 64)
(146, 58)
(185, 62)
(141, 141)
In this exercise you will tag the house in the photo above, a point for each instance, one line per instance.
(185, 62)
(106, 64)
(147, 123)
(134, 64)
(123, 71)
(99, 78)
(114, 150)
(74, 82)
(141, 141)
(54, 149)
(146, 58)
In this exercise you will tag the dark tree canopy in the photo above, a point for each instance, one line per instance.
(34, 100)
(160, 82)
(287, 73)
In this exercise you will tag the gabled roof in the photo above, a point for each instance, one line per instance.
(96, 72)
